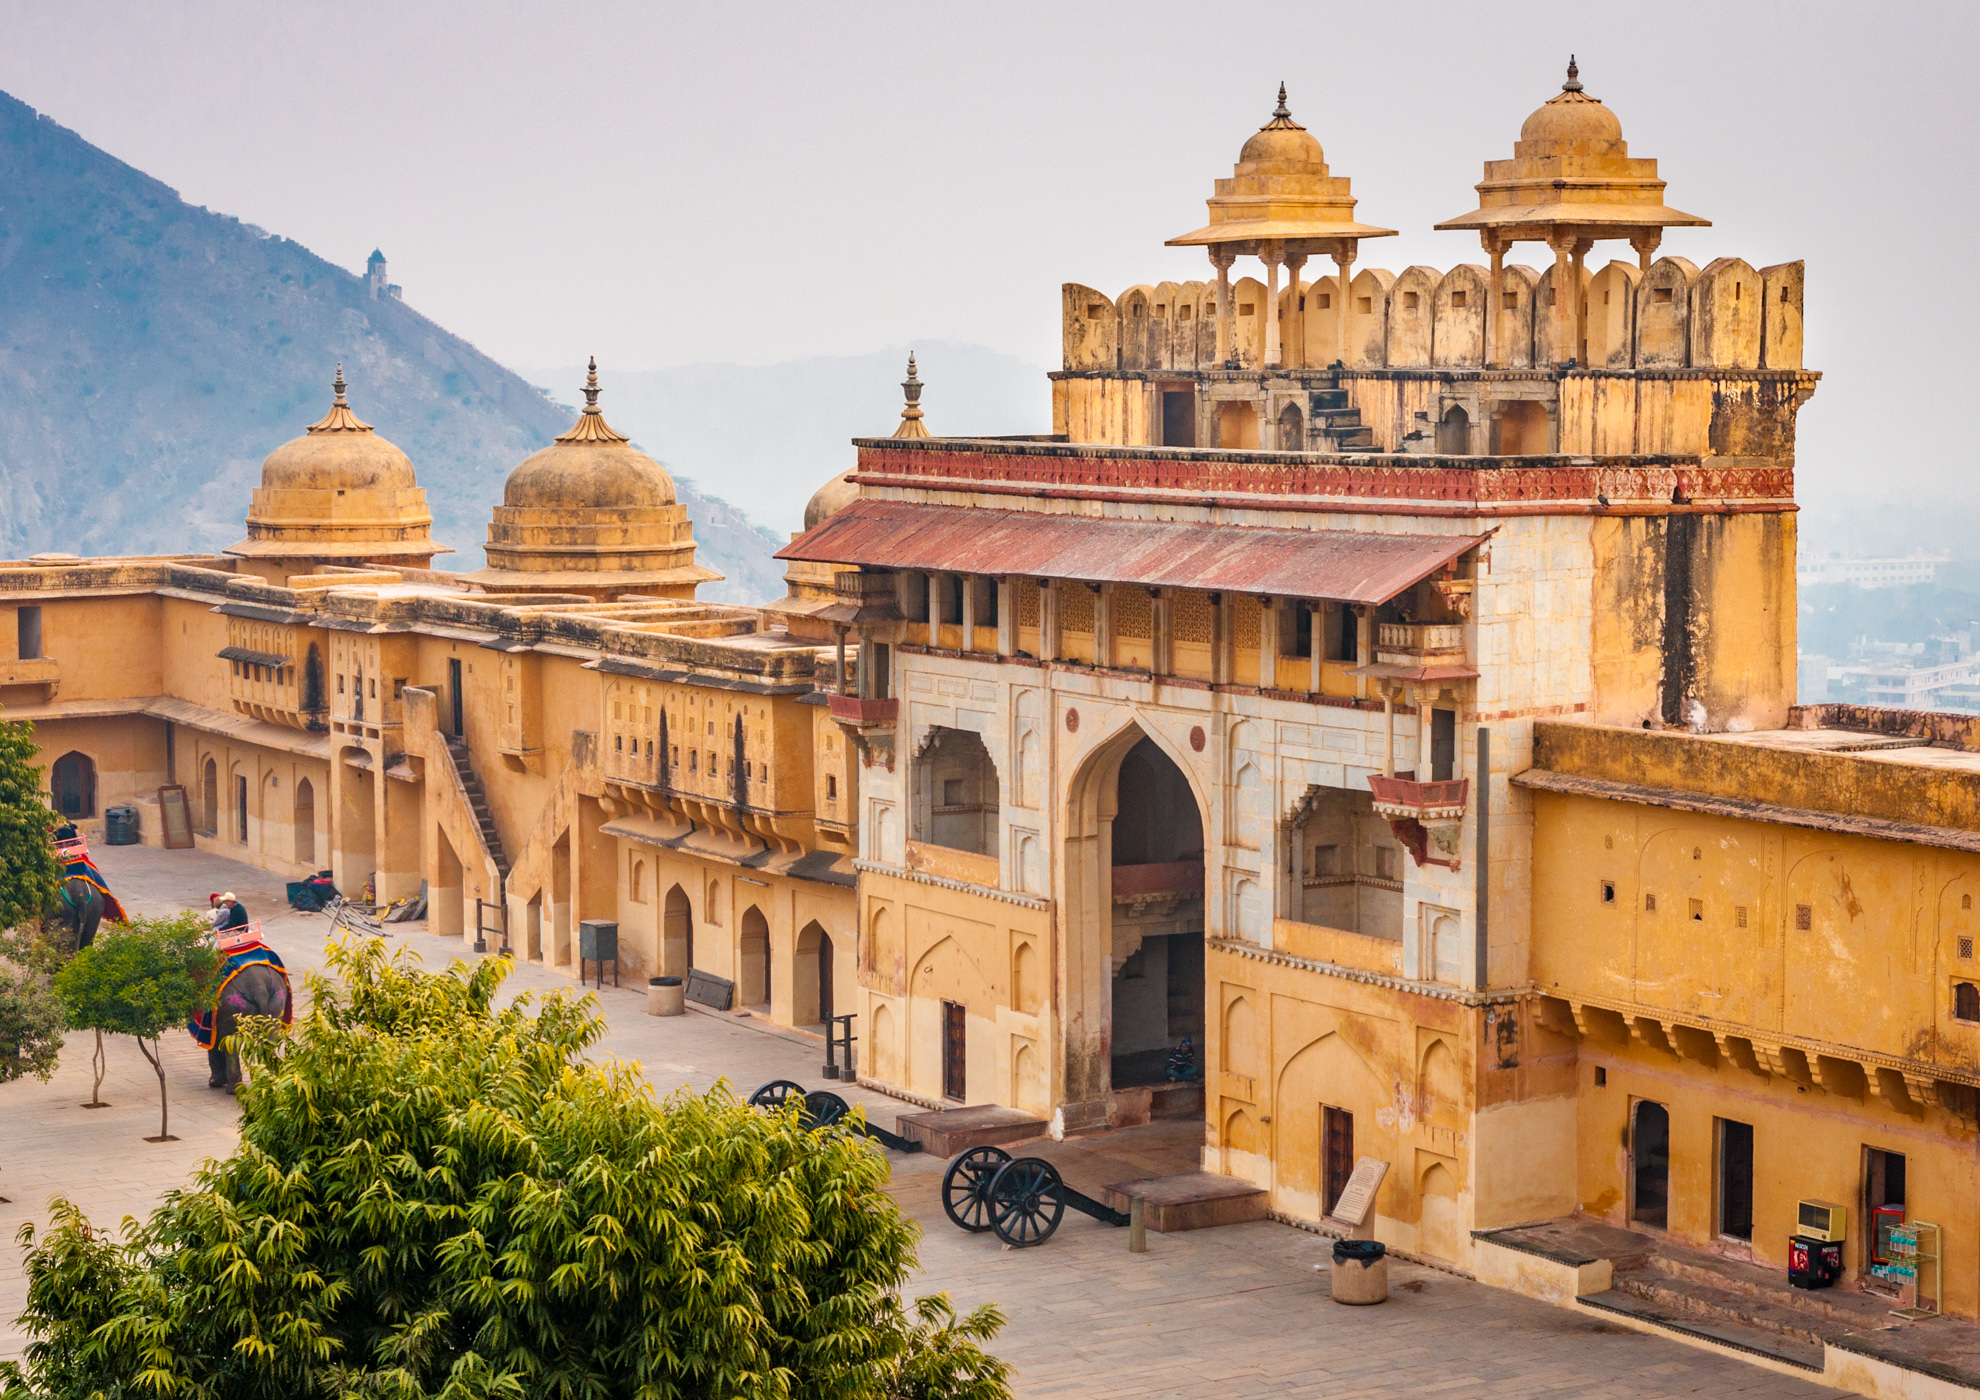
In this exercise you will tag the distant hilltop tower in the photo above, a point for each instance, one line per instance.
(374, 267)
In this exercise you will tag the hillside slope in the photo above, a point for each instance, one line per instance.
(152, 353)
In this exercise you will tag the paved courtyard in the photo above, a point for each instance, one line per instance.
(1238, 1311)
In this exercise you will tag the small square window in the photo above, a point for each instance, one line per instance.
(1601, 1077)
(1409, 301)
(1608, 891)
(1457, 300)
(1966, 901)
(1966, 948)
(1739, 916)
(1649, 903)
(831, 788)
(1698, 911)
(1365, 305)
(952, 792)
(1246, 308)
(1326, 301)
(1804, 917)
(1512, 301)
(1661, 296)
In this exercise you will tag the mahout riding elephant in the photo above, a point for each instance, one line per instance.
(255, 989)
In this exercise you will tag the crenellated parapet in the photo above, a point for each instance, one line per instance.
(1726, 315)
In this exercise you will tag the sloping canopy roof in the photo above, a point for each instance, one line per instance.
(1343, 565)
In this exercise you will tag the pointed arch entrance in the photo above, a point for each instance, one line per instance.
(1135, 922)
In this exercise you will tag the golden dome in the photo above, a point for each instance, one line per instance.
(338, 452)
(829, 499)
(591, 467)
(1571, 124)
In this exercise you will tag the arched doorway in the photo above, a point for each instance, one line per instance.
(209, 799)
(677, 957)
(811, 974)
(1134, 920)
(305, 822)
(1292, 429)
(72, 784)
(754, 988)
(1454, 432)
(1157, 917)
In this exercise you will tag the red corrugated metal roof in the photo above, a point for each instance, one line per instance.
(1347, 566)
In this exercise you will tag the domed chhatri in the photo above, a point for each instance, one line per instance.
(591, 514)
(1571, 181)
(1281, 205)
(338, 495)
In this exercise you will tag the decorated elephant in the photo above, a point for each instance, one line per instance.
(252, 982)
(83, 900)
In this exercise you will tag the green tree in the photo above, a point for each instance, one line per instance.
(140, 980)
(29, 873)
(30, 1027)
(437, 1197)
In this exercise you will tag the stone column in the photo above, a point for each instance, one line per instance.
(967, 584)
(1495, 307)
(1316, 639)
(1103, 625)
(1048, 619)
(839, 676)
(1295, 260)
(1344, 261)
(1388, 730)
(1161, 658)
(1006, 617)
(1645, 244)
(935, 610)
(1561, 325)
(1221, 258)
(1268, 643)
(1579, 312)
(1272, 252)
(1220, 639)
(1364, 645)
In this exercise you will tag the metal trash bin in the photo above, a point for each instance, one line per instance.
(598, 942)
(120, 826)
(665, 996)
(1361, 1272)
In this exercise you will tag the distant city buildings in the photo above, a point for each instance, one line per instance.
(1866, 573)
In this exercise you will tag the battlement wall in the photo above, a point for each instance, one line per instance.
(1727, 315)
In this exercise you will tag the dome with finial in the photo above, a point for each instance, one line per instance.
(1571, 173)
(1283, 145)
(1572, 123)
(338, 452)
(1281, 189)
(591, 467)
(338, 495)
(829, 499)
(591, 514)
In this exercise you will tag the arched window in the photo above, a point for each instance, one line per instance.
(209, 799)
(637, 883)
(72, 783)
(1454, 432)
(1966, 1002)
(305, 822)
(1292, 429)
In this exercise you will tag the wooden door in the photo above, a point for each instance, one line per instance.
(1336, 1153)
(954, 1081)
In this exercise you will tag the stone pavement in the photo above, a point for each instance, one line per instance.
(1238, 1311)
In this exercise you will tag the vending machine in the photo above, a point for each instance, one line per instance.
(1815, 1250)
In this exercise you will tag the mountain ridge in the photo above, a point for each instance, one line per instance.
(153, 352)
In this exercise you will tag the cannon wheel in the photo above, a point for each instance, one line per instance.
(966, 1187)
(773, 1094)
(1026, 1203)
(823, 1108)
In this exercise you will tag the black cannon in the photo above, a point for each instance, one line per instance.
(825, 1109)
(1021, 1199)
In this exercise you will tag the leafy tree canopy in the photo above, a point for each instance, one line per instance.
(434, 1197)
(30, 1027)
(29, 873)
(140, 979)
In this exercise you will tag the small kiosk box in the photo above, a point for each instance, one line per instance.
(1823, 1220)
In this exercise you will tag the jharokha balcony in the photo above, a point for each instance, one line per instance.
(857, 709)
(1419, 651)
(1424, 814)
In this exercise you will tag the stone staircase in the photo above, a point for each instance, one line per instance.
(1333, 426)
(477, 796)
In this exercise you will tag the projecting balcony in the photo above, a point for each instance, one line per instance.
(854, 709)
(1422, 814)
(1419, 651)
(42, 671)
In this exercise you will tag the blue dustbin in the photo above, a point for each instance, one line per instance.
(120, 826)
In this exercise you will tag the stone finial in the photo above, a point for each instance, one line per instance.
(1573, 83)
(339, 419)
(911, 425)
(591, 425)
(1282, 116)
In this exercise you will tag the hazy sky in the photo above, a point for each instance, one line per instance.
(663, 184)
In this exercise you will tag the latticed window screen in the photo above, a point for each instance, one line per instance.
(1247, 618)
(1027, 603)
(1075, 608)
(1134, 612)
(1192, 617)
